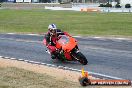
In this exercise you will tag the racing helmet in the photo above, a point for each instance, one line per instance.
(52, 29)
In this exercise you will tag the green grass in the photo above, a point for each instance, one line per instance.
(12, 77)
(19, 78)
(77, 23)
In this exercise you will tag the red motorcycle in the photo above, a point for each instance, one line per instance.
(68, 50)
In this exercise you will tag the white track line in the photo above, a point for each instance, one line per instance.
(1, 56)
(94, 73)
(13, 58)
(77, 36)
(61, 67)
(11, 33)
(33, 34)
(96, 37)
(107, 76)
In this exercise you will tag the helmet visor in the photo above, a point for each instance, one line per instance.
(53, 31)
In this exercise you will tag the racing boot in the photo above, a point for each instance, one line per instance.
(53, 56)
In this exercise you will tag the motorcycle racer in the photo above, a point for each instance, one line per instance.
(51, 38)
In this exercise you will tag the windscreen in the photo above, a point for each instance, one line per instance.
(63, 40)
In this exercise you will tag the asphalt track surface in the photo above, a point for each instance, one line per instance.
(106, 56)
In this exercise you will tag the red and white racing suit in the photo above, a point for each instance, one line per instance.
(52, 39)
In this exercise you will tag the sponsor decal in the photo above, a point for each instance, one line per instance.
(86, 79)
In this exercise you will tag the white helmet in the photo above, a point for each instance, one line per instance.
(52, 29)
(52, 26)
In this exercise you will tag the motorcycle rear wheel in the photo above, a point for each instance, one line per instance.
(82, 58)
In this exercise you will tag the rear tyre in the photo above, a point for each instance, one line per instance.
(82, 58)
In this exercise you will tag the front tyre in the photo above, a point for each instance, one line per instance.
(81, 58)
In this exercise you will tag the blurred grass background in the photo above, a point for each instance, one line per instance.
(76, 23)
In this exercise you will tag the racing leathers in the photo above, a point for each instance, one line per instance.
(51, 42)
